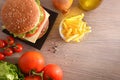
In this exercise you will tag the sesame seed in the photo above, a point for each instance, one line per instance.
(13, 9)
(30, 11)
(11, 23)
(18, 27)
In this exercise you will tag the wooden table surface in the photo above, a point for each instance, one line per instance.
(97, 57)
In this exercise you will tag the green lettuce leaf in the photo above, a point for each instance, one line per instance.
(10, 71)
(38, 2)
(19, 35)
(33, 30)
(15, 35)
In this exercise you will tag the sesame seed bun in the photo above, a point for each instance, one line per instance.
(20, 16)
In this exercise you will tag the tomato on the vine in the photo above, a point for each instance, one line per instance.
(8, 51)
(2, 56)
(2, 43)
(32, 78)
(18, 48)
(52, 72)
(10, 40)
(31, 60)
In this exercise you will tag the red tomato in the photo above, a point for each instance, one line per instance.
(31, 61)
(5, 42)
(2, 56)
(8, 51)
(2, 43)
(10, 40)
(18, 48)
(33, 78)
(52, 72)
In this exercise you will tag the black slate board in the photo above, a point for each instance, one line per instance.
(40, 42)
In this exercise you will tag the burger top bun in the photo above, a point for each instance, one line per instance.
(20, 16)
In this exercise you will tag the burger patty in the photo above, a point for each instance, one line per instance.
(44, 30)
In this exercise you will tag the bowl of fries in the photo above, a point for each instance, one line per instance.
(74, 28)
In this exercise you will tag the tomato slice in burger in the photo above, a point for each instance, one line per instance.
(31, 34)
(41, 22)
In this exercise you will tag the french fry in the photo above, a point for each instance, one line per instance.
(87, 31)
(76, 40)
(64, 26)
(64, 31)
(88, 28)
(72, 37)
(69, 31)
(80, 26)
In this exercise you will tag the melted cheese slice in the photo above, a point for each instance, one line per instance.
(35, 37)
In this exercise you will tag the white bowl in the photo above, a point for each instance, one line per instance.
(60, 30)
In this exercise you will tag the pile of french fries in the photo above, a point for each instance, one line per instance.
(74, 28)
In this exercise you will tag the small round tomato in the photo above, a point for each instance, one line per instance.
(31, 60)
(33, 78)
(10, 40)
(52, 72)
(2, 56)
(2, 43)
(18, 48)
(8, 51)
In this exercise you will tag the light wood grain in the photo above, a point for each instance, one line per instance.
(97, 57)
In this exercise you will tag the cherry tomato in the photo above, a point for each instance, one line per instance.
(5, 42)
(31, 60)
(18, 48)
(8, 51)
(52, 72)
(10, 40)
(33, 78)
(2, 43)
(2, 56)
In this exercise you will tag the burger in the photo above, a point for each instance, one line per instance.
(25, 19)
